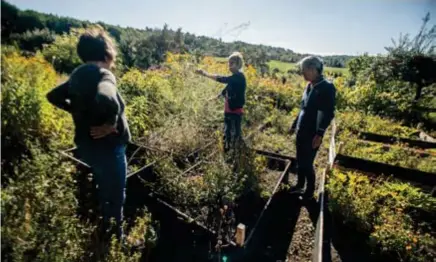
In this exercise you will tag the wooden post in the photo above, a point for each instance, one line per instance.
(240, 234)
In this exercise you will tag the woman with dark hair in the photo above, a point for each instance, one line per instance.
(101, 131)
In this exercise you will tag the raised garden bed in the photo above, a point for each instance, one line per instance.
(424, 180)
(199, 221)
(392, 140)
(221, 215)
(353, 236)
(379, 220)
(347, 234)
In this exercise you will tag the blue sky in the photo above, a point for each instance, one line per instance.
(312, 26)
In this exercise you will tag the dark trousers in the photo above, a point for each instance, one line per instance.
(232, 129)
(305, 158)
(109, 167)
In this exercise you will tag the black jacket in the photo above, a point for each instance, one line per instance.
(235, 89)
(317, 109)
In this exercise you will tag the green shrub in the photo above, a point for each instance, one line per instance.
(138, 114)
(149, 100)
(139, 242)
(62, 53)
(39, 221)
(151, 85)
(27, 116)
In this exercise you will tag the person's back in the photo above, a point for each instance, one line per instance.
(234, 92)
(90, 90)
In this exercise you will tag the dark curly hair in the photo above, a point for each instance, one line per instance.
(95, 45)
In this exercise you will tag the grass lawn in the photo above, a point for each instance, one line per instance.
(284, 67)
(221, 59)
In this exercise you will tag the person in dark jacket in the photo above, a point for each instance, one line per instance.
(234, 94)
(316, 112)
(101, 131)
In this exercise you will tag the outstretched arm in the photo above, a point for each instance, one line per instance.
(218, 78)
(206, 74)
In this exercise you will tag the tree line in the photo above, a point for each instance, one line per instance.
(141, 48)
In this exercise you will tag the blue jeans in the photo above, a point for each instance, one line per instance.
(232, 124)
(109, 167)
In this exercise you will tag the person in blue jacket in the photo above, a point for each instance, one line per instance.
(316, 112)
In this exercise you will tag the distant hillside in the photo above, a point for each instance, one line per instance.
(19, 24)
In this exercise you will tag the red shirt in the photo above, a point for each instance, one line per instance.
(227, 109)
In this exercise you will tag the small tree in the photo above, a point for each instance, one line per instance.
(33, 40)
(414, 60)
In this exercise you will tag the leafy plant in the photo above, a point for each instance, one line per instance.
(27, 116)
(62, 52)
(39, 221)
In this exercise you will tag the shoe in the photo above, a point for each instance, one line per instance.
(309, 194)
(296, 190)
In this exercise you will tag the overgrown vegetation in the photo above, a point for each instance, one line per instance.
(170, 109)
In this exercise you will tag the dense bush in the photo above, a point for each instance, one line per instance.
(39, 220)
(150, 85)
(62, 52)
(27, 116)
(149, 100)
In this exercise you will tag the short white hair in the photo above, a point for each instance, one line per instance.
(312, 62)
(237, 57)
